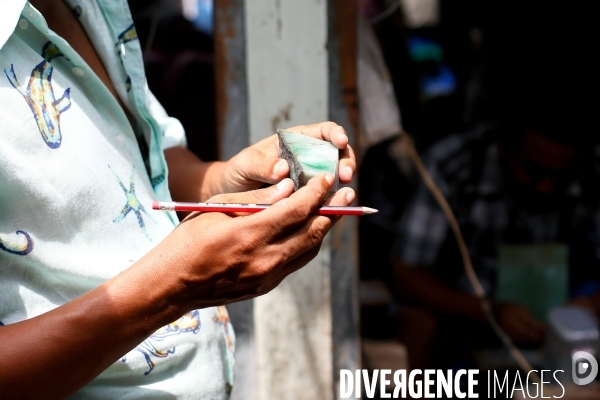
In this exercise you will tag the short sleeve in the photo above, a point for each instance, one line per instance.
(173, 134)
(11, 10)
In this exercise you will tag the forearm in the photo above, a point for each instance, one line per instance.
(429, 291)
(191, 179)
(210, 259)
(56, 353)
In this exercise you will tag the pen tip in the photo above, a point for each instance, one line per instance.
(369, 210)
(155, 205)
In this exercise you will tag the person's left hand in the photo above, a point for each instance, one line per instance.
(260, 163)
(518, 322)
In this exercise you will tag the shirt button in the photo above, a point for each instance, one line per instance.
(77, 11)
(77, 71)
(23, 24)
(121, 138)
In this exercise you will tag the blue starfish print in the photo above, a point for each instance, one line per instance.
(133, 204)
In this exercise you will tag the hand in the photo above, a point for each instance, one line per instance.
(260, 163)
(519, 324)
(209, 259)
(220, 258)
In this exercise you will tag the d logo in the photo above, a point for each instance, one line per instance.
(585, 368)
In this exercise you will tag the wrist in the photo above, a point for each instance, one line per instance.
(145, 296)
(213, 173)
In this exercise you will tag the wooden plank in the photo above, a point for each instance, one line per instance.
(233, 136)
(343, 109)
(230, 78)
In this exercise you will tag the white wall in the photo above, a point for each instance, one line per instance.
(287, 63)
(287, 70)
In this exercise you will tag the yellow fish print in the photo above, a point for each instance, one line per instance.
(39, 95)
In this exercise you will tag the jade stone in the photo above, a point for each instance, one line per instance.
(308, 157)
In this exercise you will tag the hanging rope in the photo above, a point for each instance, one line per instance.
(466, 258)
(383, 15)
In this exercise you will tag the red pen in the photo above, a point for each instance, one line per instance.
(252, 208)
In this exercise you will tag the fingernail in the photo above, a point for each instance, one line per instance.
(280, 166)
(282, 185)
(329, 178)
(350, 196)
(348, 171)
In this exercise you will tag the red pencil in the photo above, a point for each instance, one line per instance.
(252, 208)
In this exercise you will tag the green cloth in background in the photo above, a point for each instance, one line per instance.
(534, 275)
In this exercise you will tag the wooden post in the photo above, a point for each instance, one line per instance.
(233, 136)
(343, 109)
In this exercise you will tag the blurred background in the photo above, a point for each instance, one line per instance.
(498, 97)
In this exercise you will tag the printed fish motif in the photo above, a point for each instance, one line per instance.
(188, 323)
(40, 98)
(16, 248)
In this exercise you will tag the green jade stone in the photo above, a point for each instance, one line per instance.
(308, 157)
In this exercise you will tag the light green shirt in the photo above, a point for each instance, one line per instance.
(76, 187)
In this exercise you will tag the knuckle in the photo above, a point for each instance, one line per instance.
(297, 214)
(270, 265)
(264, 270)
(323, 189)
(329, 126)
(317, 187)
(260, 271)
(316, 233)
(247, 243)
(255, 195)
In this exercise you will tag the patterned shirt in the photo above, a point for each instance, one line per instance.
(468, 171)
(76, 184)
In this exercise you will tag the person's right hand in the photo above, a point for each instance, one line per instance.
(210, 259)
(219, 258)
(519, 323)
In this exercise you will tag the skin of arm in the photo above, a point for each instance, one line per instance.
(64, 349)
(210, 259)
(426, 290)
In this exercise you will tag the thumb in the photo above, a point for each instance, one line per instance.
(267, 195)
